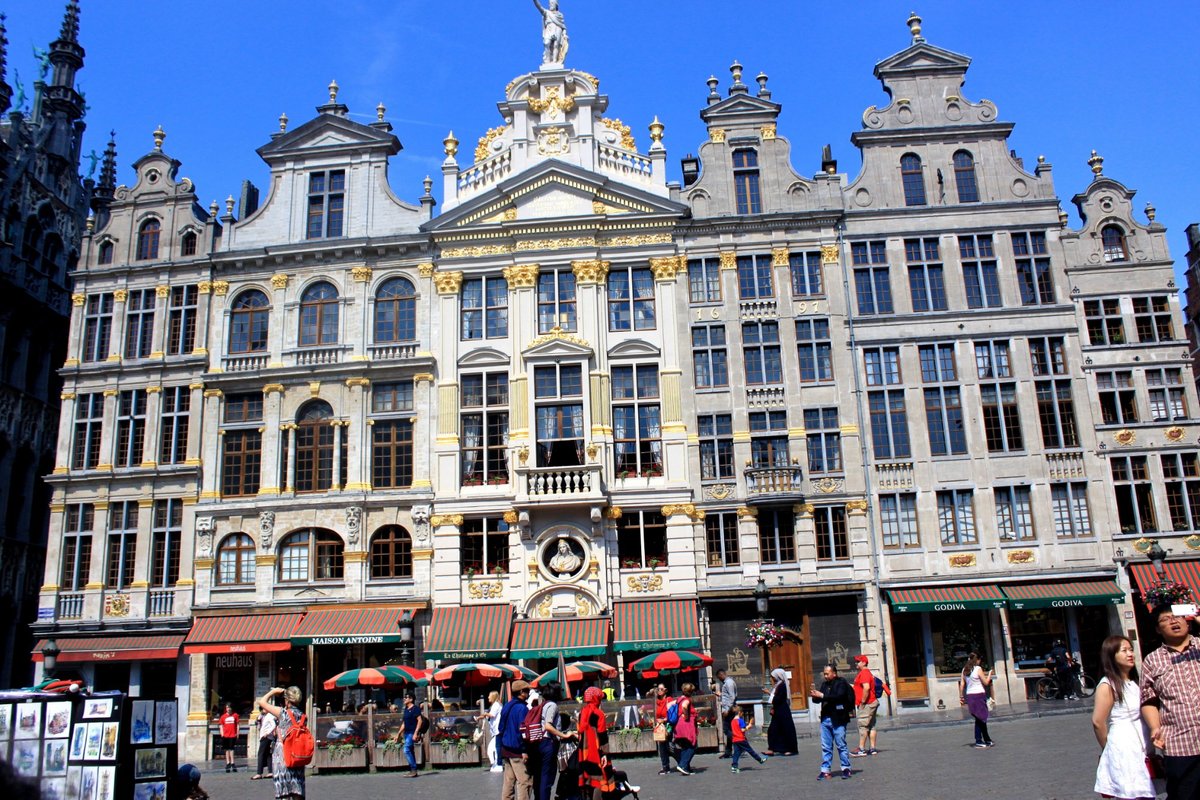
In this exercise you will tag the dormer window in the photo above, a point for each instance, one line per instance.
(1113, 239)
(745, 181)
(147, 241)
(106, 253)
(913, 178)
(964, 177)
(326, 203)
(187, 245)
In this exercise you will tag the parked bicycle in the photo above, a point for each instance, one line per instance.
(1049, 687)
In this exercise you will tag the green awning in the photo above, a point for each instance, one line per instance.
(1026, 596)
(946, 598)
(653, 625)
(550, 638)
(469, 633)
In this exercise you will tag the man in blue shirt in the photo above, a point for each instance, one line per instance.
(414, 728)
(518, 784)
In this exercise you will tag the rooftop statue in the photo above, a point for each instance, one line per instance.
(554, 33)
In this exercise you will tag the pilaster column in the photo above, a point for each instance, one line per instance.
(682, 563)
(290, 474)
(198, 425)
(218, 336)
(141, 553)
(151, 448)
(196, 748)
(359, 444)
(279, 337)
(158, 333)
(75, 335)
(358, 339)
(748, 535)
(116, 340)
(729, 276)
(203, 321)
(448, 285)
(422, 430)
(108, 430)
(591, 276)
(338, 426)
(268, 479)
(212, 444)
(522, 310)
(62, 457)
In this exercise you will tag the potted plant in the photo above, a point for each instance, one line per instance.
(497, 480)
(470, 572)
(1169, 593)
(450, 748)
(654, 562)
(498, 571)
(389, 753)
(347, 752)
(631, 563)
(706, 731)
(763, 634)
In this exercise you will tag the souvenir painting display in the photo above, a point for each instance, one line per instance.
(106, 783)
(141, 730)
(166, 723)
(74, 780)
(58, 720)
(54, 760)
(78, 741)
(27, 756)
(87, 784)
(153, 723)
(97, 708)
(56, 789)
(29, 721)
(95, 733)
(5, 722)
(150, 763)
(155, 790)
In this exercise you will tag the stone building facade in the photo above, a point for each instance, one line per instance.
(580, 409)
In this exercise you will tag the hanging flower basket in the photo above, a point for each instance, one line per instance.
(763, 634)
(1169, 593)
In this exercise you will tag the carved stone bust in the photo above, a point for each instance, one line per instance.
(565, 558)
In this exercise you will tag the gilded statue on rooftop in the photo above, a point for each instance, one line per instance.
(554, 33)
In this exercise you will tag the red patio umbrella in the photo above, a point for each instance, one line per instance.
(575, 672)
(388, 675)
(669, 662)
(480, 674)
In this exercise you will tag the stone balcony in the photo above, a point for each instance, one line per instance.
(559, 485)
(766, 485)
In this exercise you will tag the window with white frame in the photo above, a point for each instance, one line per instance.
(97, 326)
(241, 446)
(776, 535)
(756, 279)
(637, 421)
(815, 350)
(889, 424)
(1069, 505)
(318, 315)
(484, 428)
(139, 323)
(1056, 404)
(326, 204)
(235, 560)
(898, 520)
(558, 398)
(956, 516)
(1001, 414)
(1118, 397)
(872, 282)
(131, 428)
(392, 434)
(630, 299)
(556, 301)
(716, 446)
(824, 437)
(1105, 324)
(721, 539)
(166, 537)
(704, 280)
(805, 269)
(882, 366)
(173, 428)
(943, 400)
(709, 356)
(761, 354)
(1033, 268)
(1167, 397)
(1181, 477)
(484, 543)
(768, 439)
(1135, 494)
(1152, 317)
(980, 274)
(484, 308)
(1014, 513)
(926, 283)
(77, 547)
(182, 308)
(1112, 240)
(122, 544)
(642, 540)
(829, 526)
(89, 429)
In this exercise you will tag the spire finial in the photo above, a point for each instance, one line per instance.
(1150, 212)
(229, 202)
(735, 69)
(283, 120)
(213, 208)
(713, 94)
(108, 167)
(763, 91)
(70, 23)
(914, 27)
(1096, 162)
(3, 45)
(656, 130)
(333, 90)
(428, 184)
(159, 135)
(451, 145)
(380, 111)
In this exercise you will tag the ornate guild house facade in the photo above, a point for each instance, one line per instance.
(580, 409)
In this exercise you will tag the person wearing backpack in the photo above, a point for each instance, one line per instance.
(294, 743)
(868, 691)
(414, 727)
(518, 784)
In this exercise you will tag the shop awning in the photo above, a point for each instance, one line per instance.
(114, 648)
(1185, 572)
(246, 633)
(649, 625)
(1024, 596)
(469, 633)
(344, 626)
(946, 598)
(549, 638)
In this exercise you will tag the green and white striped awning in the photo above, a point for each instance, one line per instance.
(550, 638)
(469, 633)
(1024, 596)
(651, 625)
(946, 598)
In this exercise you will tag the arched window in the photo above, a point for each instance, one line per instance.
(313, 554)
(319, 315)
(914, 179)
(964, 177)
(235, 560)
(187, 245)
(1113, 239)
(314, 447)
(147, 241)
(106, 253)
(395, 312)
(51, 252)
(31, 244)
(391, 553)
(249, 321)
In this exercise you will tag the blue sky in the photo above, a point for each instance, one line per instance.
(1072, 76)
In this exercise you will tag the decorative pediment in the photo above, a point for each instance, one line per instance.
(329, 132)
(558, 344)
(922, 57)
(740, 105)
(484, 357)
(634, 348)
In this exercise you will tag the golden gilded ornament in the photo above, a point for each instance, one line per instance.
(588, 272)
(622, 130)
(521, 276)
(448, 282)
(483, 149)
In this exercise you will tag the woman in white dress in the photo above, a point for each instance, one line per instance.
(1117, 721)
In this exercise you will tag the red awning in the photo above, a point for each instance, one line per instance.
(342, 626)
(646, 625)
(247, 633)
(1185, 572)
(469, 633)
(114, 648)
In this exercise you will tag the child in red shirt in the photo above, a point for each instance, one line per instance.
(229, 735)
(738, 727)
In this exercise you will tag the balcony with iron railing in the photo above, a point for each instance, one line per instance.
(778, 484)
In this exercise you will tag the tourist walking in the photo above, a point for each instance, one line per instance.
(738, 725)
(411, 731)
(837, 701)
(781, 733)
(662, 731)
(1171, 701)
(726, 698)
(266, 743)
(491, 720)
(867, 691)
(593, 744)
(973, 693)
(288, 781)
(1117, 722)
(685, 729)
(518, 784)
(543, 780)
(229, 735)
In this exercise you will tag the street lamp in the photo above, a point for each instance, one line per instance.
(762, 598)
(50, 653)
(1158, 558)
(407, 648)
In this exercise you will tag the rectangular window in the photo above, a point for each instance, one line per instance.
(760, 347)
(77, 547)
(824, 440)
(721, 539)
(1181, 475)
(326, 203)
(173, 433)
(889, 424)
(1048, 356)
(1118, 398)
(122, 544)
(642, 540)
(556, 301)
(139, 323)
(755, 277)
(1069, 503)
(709, 356)
(745, 181)
(925, 281)
(484, 428)
(484, 308)
(392, 398)
(872, 283)
(716, 446)
(882, 365)
(181, 320)
(1167, 397)
(637, 420)
(898, 520)
(806, 274)
(979, 271)
(166, 536)
(97, 326)
(1033, 268)
(815, 350)
(630, 299)
(1104, 322)
(241, 462)
(1014, 513)
(704, 280)
(768, 439)
(131, 428)
(558, 392)
(776, 535)
(943, 404)
(1001, 417)
(956, 516)
(1152, 318)
(243, 408)
(829, 525)
(484, 543)
(392, 454)
(1135, 494)
(1056, 414)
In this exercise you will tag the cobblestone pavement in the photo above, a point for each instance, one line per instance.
(1035, 759)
